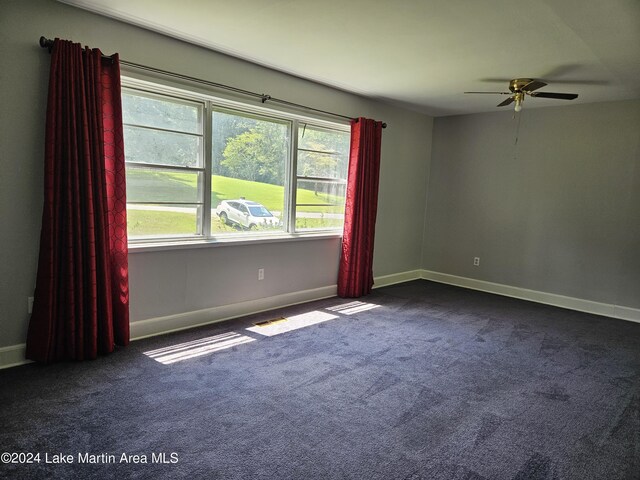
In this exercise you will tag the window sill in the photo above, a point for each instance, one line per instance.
(180, 244)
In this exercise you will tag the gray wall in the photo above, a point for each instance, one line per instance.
(169, 282)
(556, 213)
(559, 212)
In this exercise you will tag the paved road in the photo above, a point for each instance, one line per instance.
(168, 208)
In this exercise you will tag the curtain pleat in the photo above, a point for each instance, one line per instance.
(355, 274)
(81, 304)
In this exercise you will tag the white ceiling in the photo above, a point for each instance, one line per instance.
(421, 54)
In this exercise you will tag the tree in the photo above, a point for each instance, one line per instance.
(225, 127)
(258, 154)
(323, 154)
(141, 114)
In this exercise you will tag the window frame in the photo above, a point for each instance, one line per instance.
(210, 103)
(305, 178)
(200, 204)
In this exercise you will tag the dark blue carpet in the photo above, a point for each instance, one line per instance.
(435, 382)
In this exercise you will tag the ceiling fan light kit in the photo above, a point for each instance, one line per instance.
(519, 87)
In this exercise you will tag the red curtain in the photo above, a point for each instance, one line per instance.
(81, 305)
(355, 275)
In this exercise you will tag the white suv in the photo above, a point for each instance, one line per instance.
(246, 214)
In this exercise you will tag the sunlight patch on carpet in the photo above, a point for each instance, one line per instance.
(352, 307)
(292, 323)
(197, 348)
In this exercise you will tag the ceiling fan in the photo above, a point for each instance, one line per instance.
(519, 87)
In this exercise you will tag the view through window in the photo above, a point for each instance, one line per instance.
(164, 165)
(323, 162)
(249, 159)
(247, 178)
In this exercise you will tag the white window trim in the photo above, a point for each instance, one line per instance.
(212, 102)
(277, 113)
(227, 242)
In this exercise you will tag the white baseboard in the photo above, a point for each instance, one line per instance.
(13, 355)
(386, 280)
(626, 313)
(182, 321)
(579, 304)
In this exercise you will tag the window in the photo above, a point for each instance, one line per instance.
(323, 162)
(206, 168)
(250, 155)
(164, 165)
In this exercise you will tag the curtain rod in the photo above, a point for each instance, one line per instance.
(47, 43)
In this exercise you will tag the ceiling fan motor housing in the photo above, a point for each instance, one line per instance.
(517, 84)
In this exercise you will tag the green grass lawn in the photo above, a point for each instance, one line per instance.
(154, 223)
(146, 185)
(271, 196)
(153, 186)
(149, 222)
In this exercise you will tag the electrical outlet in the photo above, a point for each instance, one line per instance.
(29, 304)
(261, 274)
(476, 261)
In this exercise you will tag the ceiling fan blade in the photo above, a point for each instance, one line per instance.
(494, 93)
(579, 82)
(508, 101)
(569, 74)
(534, 85)
(495, 80)
(559, 96)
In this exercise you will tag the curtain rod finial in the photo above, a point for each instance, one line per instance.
(46, 43)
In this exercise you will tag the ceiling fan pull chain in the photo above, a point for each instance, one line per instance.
(515, 143)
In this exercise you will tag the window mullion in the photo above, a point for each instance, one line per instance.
(207, 145)
(161, 129)
(161, 166)
(291, 180)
